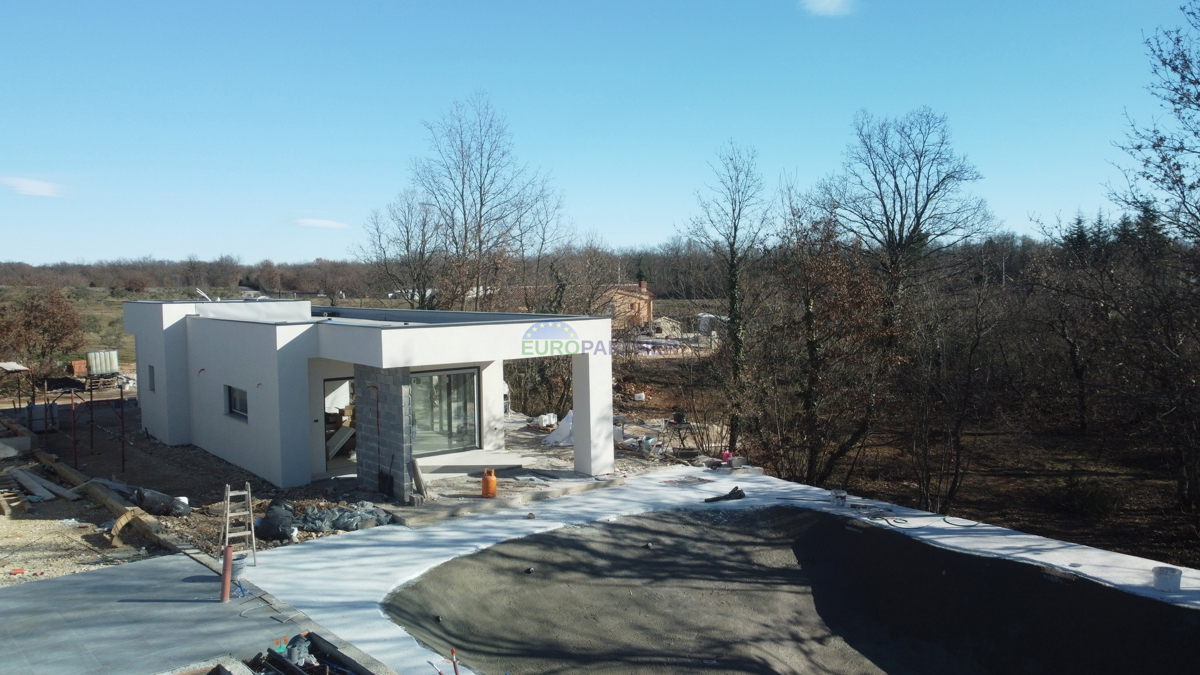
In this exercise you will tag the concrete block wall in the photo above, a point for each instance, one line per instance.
(383, 408)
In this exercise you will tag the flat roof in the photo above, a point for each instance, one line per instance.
(370, 317)
(202, 301)
(402, 318)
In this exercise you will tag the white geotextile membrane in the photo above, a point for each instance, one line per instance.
(340, 581)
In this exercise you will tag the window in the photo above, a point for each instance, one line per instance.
(150, 378)
(235, 403)
(445, 415)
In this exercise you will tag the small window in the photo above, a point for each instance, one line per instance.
(235, 401)
(150, 378)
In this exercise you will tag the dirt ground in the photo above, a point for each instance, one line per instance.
(44, 548)
(1082, 489)
(61, 537)
(771, 591)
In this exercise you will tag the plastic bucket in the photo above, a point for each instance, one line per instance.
(1167, 579)
(837, 498)
(239, 567)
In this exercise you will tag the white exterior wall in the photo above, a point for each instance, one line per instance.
(264, 310)
(295, 344)
(591, 380)
(418, 346)
(241, 355)
(161, 341)
(491, 405)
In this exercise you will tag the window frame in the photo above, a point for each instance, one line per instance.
(477, 372)
(231, 410)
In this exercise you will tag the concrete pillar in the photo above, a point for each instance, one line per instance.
(491, 404)
(593, 430)
(382, 410)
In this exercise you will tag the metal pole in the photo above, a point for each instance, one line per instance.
(121, 387)
(92, 422)
(45, 415)
(226, 573)
(74, 436)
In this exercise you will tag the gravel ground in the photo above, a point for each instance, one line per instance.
(43, 547)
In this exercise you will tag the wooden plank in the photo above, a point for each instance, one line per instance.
(144, 523)
(54, 487)
(336, 441)
(419, 480)
(31, 486)
(16, 428)
(70, 475)
(121, 522)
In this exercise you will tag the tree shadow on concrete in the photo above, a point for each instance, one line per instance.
(686, 591)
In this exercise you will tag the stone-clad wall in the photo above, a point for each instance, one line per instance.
(378, 444)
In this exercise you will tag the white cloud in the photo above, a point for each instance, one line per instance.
(33, 188)
(828, 7)
(317, 222)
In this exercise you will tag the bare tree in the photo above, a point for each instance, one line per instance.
(405, 248)
(1167, 154)
(943, 380)
(821, 362)
(733, 226)
(482, 196)
(540, 248)
(901, 191)
(225, 272)
(266, 275)
(192, 272)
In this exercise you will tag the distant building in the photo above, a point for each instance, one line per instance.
(630, 306)
(666, 327)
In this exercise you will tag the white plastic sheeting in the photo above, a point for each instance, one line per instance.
(564, 434)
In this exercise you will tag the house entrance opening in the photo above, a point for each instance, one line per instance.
(445, 409)
(340, 440)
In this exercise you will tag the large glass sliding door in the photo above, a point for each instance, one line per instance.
(445, 411)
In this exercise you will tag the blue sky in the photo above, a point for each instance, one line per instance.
(168, 128)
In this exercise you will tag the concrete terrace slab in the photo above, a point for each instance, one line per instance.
(459, 464)
(340, 581)
(134, 619)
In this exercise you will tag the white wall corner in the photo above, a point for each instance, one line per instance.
(593, 430)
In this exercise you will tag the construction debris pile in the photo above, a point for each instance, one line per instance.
(359, 516)
(307, 652)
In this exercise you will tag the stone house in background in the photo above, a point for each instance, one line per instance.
(631, 307)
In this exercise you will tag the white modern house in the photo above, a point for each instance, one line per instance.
(256, 382)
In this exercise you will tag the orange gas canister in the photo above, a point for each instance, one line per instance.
(489, 482)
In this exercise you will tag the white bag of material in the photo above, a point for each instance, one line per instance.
(562, 436)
